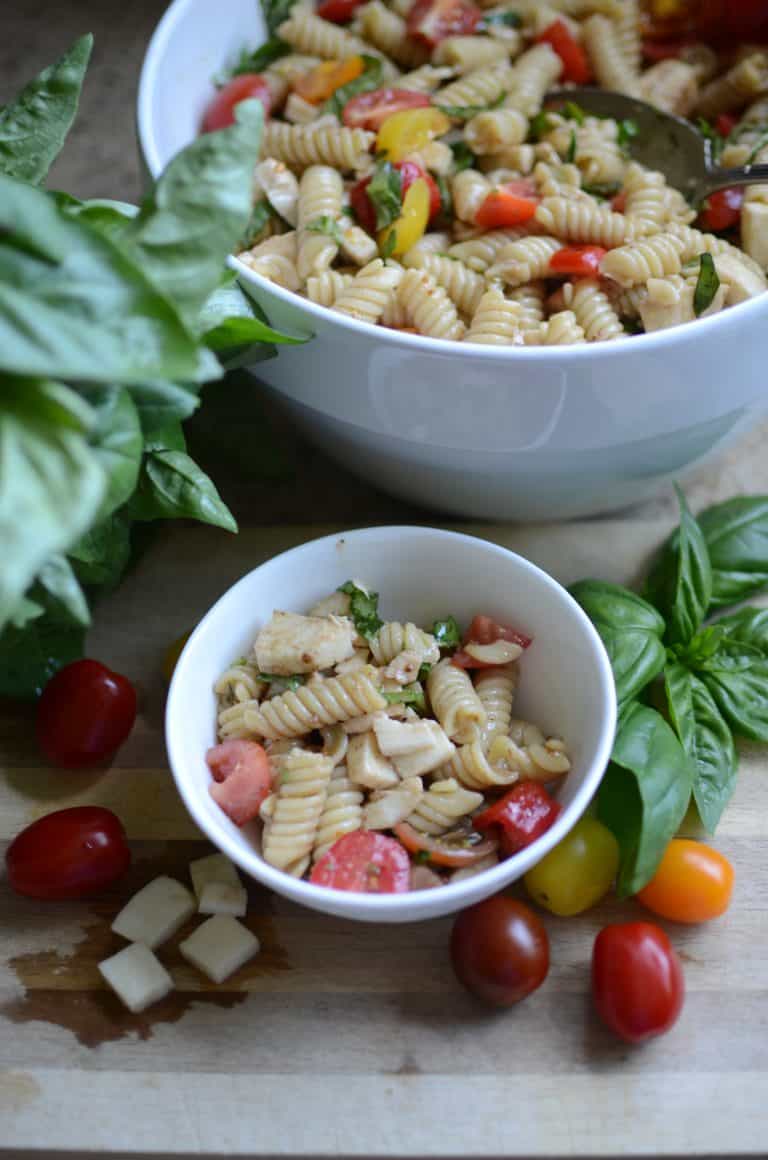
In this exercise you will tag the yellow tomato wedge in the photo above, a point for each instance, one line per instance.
(410, 129)
(321, 82)
(412, 223)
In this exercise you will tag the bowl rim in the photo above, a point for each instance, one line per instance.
(658, 341)
(352, 904)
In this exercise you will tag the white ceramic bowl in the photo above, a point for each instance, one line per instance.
(524, 433)
(422, 573)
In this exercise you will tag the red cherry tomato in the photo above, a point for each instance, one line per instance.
(462, 849)
(656, 50)
(409, 171)
(576, 65)
(431, 21)
(366, 862)
(84, 714)
(725, 123)
(221, 111)
(338, 11)
(722, 210)
(485, 630)
(68, 854)
(500, 950)
(511, 204)
(520, 817)
(581, 261)
(619, 203)
(637, 980)
(242, 778)
(370, 110)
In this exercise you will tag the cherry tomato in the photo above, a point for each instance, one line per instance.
(722, 210)
(68, 854)
(338, 11)
(221, 111)
(325, 78)
(409, 171)
(576, 65)
(370, 110)
(512, 204)
(500, 950)
(431, 21)
(84, 714)
(637, 980)
(581, 261)
(693, 883)
(242, 778)
(578, 872)
(364, 861)
(656, 50)
(725, 123)
(461, 848)
(520, 817)
(485, 630)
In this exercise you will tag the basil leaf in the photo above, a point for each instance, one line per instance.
(33, 654)
(261, 215)
(364, 609)
(446, 632)
(680, 583)
(292, 683)
(388, 246)
(408, 695)
(230, 319)
(603, 189)
(161, 401)
(702, 647)
(706, 739)
(325, 224)
(60, 583)
(446, 197)
(737, 676)
(100, 557)
(570, 155)
(631, 630)
(540, 125)
(34, 126)
(736, 534)
(385, 193)
(644, 793)
(503, 19)
(628, 130)
(257, 59)
(117, 442)
(463, 157)
(369, 79)
(465, 112)
(276, 11)
(573, 112)
(707, 284)
(172, 486)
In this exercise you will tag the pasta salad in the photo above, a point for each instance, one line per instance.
(379, 756)
(412, 175)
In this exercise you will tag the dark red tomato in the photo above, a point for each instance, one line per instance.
(725, 123)
(580, 261)
(366, 862)
(338, 11)
(485, 630)
(68, 854)
(576, 65)
(431, 21)
(84, 714)
(520, 817)
(500, 950)
(637, 980)
(722, 210)
(221, 111)
(370, 110)
(409, 171)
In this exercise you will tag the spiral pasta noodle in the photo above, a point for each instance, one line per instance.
(428, 307)
(394, 638)
(324, 288)
(471, 768)
(496, 130)
(525, 260)
(366, 296)
(652, 257)
(320, 192)
(316, 144)
(496, 321)
(605, 49)
(594, 312)
(479, 253)
(444, 803)
(480, 86)
(387, 31)
(455, 702)
(342, 812)
(495, 690)
(327, 701)
(579, 221)
(465, 287)
(291, 828)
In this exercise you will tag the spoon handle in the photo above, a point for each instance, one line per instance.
(722, 178)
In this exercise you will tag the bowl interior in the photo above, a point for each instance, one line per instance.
(421, 575)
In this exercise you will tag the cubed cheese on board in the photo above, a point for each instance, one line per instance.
(136, 976)
(219, 947)
(223, 898)
(212, 868)
(155, 913)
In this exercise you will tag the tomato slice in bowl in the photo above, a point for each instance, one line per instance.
(459, 848)
(370, 110)
(365, 862)
(242, 778)
(431, 21)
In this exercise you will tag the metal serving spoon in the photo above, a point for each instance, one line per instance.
(664, 142)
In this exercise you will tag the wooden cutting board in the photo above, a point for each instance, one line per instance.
(343, 1039)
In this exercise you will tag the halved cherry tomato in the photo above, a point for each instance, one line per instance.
(370, 110)
(619, 203)
(409, 130)
(576, 66)
(431, 21)
(325, 78)
(84, 714)
(242, 778)
(581, 261)
(221, 111)
(637, 980)
(338, 11)
(409, 172)
(68, 854)
(693, 883)
(520, 817)
(366, 862)
(578, 872)
(722, 210)
(511, 204)
(463, 848)
(500, 950)
(485, 630)
(725, 123)
(406, 230)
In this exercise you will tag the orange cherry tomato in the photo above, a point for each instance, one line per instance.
(579, 261)
(321, 82)
(510, 205)
(693, 883)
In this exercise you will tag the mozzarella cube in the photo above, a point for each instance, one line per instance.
(431, 757)
(136, 976)
(213, 868)
(155, 914)
(219, 947)
(290, 643)
(223, 898)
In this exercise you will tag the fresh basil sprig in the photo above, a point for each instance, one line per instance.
(680, 583)
(736, 535)
(385, 193)
(463, 157)
(707, 284)
(631, 630)
(369, 79)
(363, 608)
(447, 633)
(706, 739)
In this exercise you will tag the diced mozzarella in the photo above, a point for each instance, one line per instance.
(366, 765)
(743, 281)
(398, 737)
(219, 947)
(754, 231)
(290, 643)
(212, 868)
(155, 913)
(391, 806)
(136, 976)
(280, 186)
(223, 898)
(431, 757)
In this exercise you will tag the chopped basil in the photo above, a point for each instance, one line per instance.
(369, 79)
(503, 19)
(364, 607)
(446, 632)
(385, 193)
(387, 248)
(574, 112)
(710, 133)
(276, 11)
(291, 683)
(570, 156)
(464, 112)
(421, 857)
(707, 284)
(408, 695)
(540, 124)
(446, 198)
(603, 189)
(761, 143)
(463, 157)
(628, 130)
(425, 670)
(260, 218)
(257, 60)
(328, 226)
(631, 325)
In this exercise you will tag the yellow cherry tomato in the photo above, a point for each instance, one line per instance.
(412, 223)
(172, 654)
(409, 130)
(578, 872)
(322, 81)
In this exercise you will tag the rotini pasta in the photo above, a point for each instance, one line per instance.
(320, 193)
(327, 702)
(497, 321)
(455, 702)
(316, 144)
(525, 260)
(463, 286)
(342, 812)
(366, 296)
(428, 307)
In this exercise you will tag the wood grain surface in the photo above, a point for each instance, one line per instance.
(340, 1038)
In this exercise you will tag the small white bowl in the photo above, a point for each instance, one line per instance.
(422, 574)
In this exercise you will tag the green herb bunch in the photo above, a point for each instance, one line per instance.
(709, 677)
(111, 320)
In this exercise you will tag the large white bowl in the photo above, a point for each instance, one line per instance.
(566, 683)
(497, 433)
